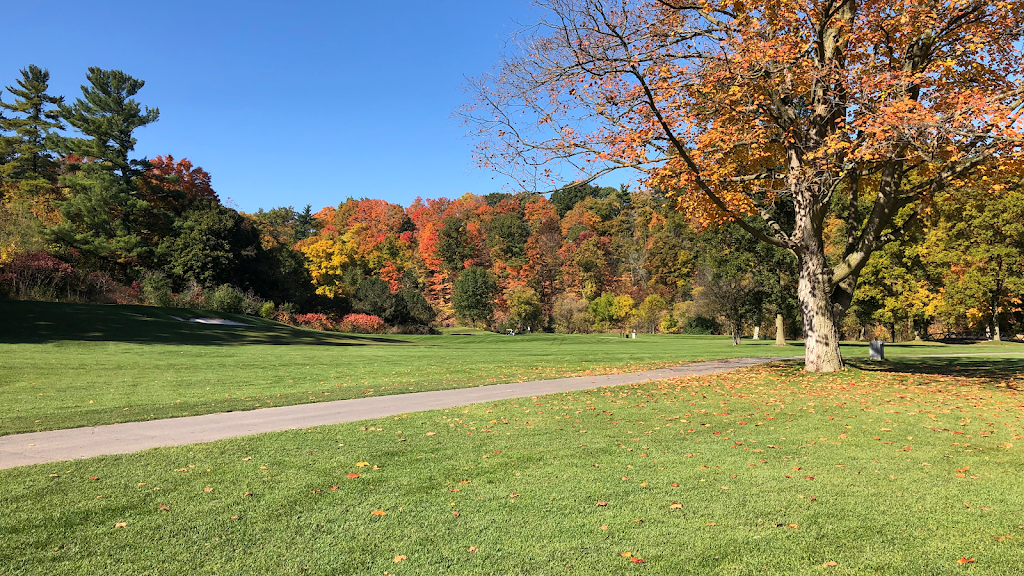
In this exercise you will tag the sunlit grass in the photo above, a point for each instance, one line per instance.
(776, 472)
(66, 365)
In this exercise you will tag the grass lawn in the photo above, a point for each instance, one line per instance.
(897, 468)
(70, 365)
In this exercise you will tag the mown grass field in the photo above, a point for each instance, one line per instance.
(901, 468)
(70, 365)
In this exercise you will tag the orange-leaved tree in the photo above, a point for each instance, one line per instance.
(797, 111)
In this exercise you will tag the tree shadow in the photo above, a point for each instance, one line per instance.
(985, 369)
(45, 322)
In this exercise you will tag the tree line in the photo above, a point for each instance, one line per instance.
(82, 218)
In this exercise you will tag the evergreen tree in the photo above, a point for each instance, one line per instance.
(109, 116)
(104, 217)
(474, 294)
(30, 122)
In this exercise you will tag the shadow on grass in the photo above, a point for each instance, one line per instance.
(43, 322)
(987, 370)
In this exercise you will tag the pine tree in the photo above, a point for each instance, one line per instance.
(109, 116)
(105, 215)
(32, 118)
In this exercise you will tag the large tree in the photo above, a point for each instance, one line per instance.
(737, 108)
(105, 212)
(30, 119)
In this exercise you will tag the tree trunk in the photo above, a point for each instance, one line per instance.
(780, 331)
(821, 344)
(757, 333)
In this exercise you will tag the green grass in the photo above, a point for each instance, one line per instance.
(882, 443)
(71, 365)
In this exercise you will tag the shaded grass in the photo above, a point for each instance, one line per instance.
(71, 365)
(777, 472)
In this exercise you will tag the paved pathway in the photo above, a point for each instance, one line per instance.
(40, 447)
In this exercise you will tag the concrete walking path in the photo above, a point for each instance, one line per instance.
(58, 445)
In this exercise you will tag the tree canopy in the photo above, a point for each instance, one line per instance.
(863, 107)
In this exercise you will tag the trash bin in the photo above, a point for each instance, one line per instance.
(876, 350)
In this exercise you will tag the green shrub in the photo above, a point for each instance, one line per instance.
(267, 310)
(227, 299)
(252, 304)
(156, 289)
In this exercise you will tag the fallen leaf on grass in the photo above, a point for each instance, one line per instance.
(120, 525)
(1001, 538)
(208, 489)
(793, 526)
(605, 527)
(963, 560)
(353, 476)
(431, 433)
(399, 558)
(455, 513)
(600, 503)
(472, 548)
(361, 464)
(378, 512)
(637, 560)
(626, 554)
(675, 506)
(163, 508)
(831, 564)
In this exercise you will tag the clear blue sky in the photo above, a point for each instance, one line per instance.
(286, 103)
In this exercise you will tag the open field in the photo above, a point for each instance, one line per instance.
(767, 470)
(69, 365)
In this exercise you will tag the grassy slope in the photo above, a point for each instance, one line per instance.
(68, 365)
(738, 452)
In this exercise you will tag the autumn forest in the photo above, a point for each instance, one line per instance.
(82, 219)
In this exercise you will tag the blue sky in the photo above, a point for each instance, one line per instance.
(286, 103)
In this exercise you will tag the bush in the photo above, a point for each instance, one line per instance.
(314, 321)
(284, 315)
(267, 310)
(39, 276)
(420, 312)
(362, 324)
(252, 304)
(193, 296)
(226, 299)
(156, 289)
(699, 326)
